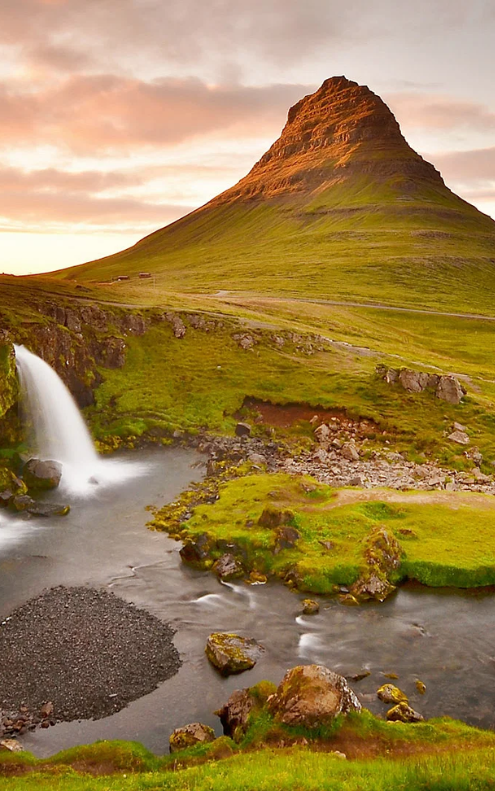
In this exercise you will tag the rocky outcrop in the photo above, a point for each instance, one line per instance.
(446, 387)
(190, 735)
(231, 653)
(311, 696)
(382, 557)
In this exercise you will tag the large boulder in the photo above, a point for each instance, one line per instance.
(312, 695)
(450, 389)
(403, 713)
(190, 735)
(389, 693)
(382, 557)
(231, 653)
(413, 381)
(235, 714)
(42, 475)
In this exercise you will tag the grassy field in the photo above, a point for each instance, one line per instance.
(441, 755)
(444, 542)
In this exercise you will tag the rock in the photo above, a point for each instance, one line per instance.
(413, 381)
(21, 502)
(312, 696)
(46, 710)
(178, 326)
(350, 452)
(450, 389)
(403, 713)
(231, 653)
(320, 455)
(372, 587)
(285, 538)
(459, 427)
(196, 552)
(310, 607)
(111, 353)
(382, 555)
(420, 686)
(242, 430)
(389, 693)
(328, 545)
(356, 481)
(190, 735)
(244, 340)
(272, 517)
(257, 459)
(235, 714)
(460, 437)
(28, 505)
(322, 433)
(12, 745)
(5, 498)
(228, 567)
(475, 455)
(42, 475)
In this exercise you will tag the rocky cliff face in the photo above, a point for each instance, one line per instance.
(340, 129)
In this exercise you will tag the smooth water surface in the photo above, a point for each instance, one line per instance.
(444, 639)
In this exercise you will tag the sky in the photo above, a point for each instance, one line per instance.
(120, 116)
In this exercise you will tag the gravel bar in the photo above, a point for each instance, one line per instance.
(83, 650)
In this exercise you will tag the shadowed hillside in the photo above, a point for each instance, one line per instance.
(339, 207)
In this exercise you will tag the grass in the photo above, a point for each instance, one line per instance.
(442, 754)
(450, 544)
(359, 239)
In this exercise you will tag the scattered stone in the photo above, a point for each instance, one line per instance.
(311, 696)
(228, 567)
(178, 326)
(459, 427)
(42, 475)
(257, 459)
(420, 686)
(272, 517)
(356, 481)
(231, 653)
(310, 607)
(403, 713)
(12, 745)
(358, 676)
(382, 555)
(338, 754)
(389, 693)
(328, 545)
(322, 433)
(190, 735)
(350, 452)
(460, 437)
(285, 538)
(242, 430)
(46, 710)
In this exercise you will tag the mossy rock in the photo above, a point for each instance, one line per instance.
(389, 693)
(231, 653)
(190, 735)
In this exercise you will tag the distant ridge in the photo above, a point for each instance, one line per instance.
(339, 206)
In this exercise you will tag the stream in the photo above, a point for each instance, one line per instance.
(444, 638)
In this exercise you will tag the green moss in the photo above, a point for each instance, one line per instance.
(437, 544)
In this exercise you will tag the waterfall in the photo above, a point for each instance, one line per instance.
(60, 432)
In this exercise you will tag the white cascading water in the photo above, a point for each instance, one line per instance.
(60, 432)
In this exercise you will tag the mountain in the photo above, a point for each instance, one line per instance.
(340, 207)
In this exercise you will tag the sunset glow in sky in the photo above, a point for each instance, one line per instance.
(119, 116)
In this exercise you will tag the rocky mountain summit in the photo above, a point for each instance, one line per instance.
(342, 130)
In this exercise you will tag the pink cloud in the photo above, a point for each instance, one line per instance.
(477, 166)
(100, 113)
(440, 112)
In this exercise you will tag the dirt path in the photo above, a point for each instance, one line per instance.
(454, 500)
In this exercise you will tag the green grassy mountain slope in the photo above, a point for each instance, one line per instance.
(339, 207)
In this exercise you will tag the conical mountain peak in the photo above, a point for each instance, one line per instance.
(340, 128)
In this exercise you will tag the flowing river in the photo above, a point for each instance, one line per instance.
(446, 639)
